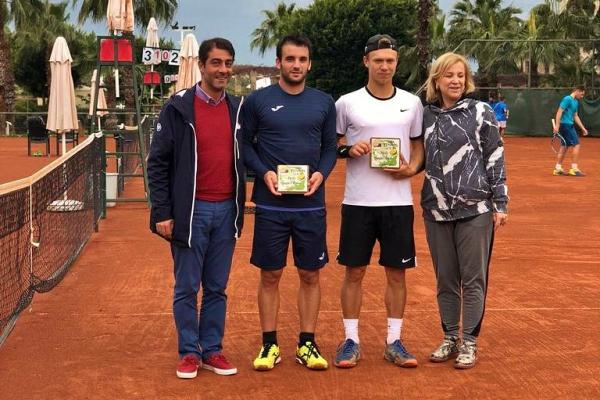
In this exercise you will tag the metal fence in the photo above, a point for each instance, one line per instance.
(15, 123)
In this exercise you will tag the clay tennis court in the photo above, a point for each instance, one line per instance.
(106, 331)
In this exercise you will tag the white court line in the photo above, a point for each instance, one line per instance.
(408, 311)
(555, 261)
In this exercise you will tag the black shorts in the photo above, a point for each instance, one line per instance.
(272, 233)
(391, 226)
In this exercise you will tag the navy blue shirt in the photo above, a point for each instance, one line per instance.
(280, 128)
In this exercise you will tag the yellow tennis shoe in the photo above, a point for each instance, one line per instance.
(268, 356)
(309, 355)
(575, 172)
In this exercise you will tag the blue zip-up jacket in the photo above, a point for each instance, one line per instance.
(172, 164)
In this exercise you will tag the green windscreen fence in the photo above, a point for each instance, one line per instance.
(532, 109)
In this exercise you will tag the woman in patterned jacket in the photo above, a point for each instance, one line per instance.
(464, 200)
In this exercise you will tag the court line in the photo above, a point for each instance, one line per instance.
(408, 311)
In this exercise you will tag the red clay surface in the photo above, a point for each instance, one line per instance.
(14, 161)
(106, 331)
(16, 164)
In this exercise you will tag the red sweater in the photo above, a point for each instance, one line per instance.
(214, 177)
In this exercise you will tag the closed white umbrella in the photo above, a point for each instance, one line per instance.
(189, 71)
(152, 41)
(120, 15)
(62, 113)
(152, 34)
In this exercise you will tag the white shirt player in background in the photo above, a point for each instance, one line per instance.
(377, 202)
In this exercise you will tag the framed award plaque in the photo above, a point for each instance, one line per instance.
(385, 152)
(292, 179)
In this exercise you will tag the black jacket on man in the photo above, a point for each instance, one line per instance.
(172, 164)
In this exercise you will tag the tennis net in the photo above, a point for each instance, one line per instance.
(46, 220)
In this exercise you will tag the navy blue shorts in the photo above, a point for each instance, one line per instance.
(569, 135)
(272, 233)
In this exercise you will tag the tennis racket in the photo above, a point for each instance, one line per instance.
(557, 140)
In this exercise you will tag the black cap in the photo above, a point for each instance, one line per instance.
(380, 41)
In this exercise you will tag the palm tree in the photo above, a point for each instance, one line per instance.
(162, 10)
(39, 39)
(21, 13)
(423, 13)
(437, 44)
(554, 19)
(271, 29)
(486, 19)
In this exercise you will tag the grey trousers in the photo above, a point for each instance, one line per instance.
(461, 252)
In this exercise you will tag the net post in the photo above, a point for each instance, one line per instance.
(96, 181)
(103, 176)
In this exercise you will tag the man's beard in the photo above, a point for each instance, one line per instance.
(287, 79)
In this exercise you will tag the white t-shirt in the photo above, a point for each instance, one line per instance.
(361, 116)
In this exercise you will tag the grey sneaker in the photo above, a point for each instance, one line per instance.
(396, 353)
(467, 355)
(347, 354)
(446, 350)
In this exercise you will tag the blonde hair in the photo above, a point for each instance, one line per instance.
(439, 67)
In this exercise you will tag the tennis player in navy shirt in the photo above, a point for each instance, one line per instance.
(289, 124)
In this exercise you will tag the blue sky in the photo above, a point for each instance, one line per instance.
(236, 19)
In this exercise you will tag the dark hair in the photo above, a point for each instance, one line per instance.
(580, 87)
(500, 97)
(296, 39)
(207, 45)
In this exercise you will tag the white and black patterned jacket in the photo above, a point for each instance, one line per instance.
(464, 162)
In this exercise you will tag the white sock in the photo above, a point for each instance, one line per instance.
(558, 167)
(351, 328)
(574, 166)
(394, 329)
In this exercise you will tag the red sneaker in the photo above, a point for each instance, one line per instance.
(218, 364)
(187, 367)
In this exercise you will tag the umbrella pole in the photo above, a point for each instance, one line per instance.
(152, 87)
(115, 33)
(64, 143)
(64, 151)
(117, 94)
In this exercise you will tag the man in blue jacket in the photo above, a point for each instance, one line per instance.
(197, 189)
(289, 124)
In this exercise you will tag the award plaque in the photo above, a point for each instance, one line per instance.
(292, 179)
(385, 152)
